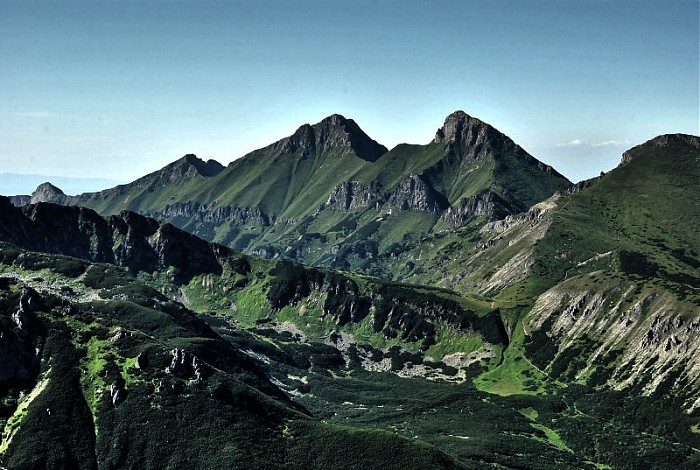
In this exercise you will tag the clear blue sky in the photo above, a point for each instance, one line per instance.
(116, 89)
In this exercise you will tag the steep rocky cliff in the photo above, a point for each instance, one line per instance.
(129, 239)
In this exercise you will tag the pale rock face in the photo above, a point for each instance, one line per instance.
(414, 193)
(460, 126)
(352, 195)
(657, 333)
(117, 394)
(487, 204)
(517, 236)
(46, 192)
(204, 213)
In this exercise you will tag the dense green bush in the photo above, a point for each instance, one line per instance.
(288, 285)
(539, 347)
(638, 264)
(104, 276)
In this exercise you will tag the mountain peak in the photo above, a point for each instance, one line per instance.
(48, 187)
(47, 192)
(335, 120)
(183, 169)
(334, 131)
(661, 141)
(461, 127)
(208, 168)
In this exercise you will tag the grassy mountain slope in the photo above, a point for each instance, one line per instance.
(467, 157)
(291, 177)
(605, 277)
(269, 179)
(329, 195)
(471, 173)
(154, 189)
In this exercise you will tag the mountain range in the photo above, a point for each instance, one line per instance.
(458, 304)
(333, 182)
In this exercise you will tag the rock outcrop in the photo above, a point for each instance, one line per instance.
(46, 192)
(460, 128)
(194, 211)
(21, 339)
(185, 365)
(128, 239)
(21, 200)
(352, 195)
(487, 204)
(414, 193)
(332, 133)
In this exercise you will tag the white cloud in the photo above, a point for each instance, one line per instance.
(573, 143)
(585, 143)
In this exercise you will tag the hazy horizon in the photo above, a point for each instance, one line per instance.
(18, 184)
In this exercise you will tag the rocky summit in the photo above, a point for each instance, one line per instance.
(465, 130)
(47, 192)
(334, 132)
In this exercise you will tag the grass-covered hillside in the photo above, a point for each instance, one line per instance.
(329, 195)
(605, 277)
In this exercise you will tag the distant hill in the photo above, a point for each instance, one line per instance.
(12, 184)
